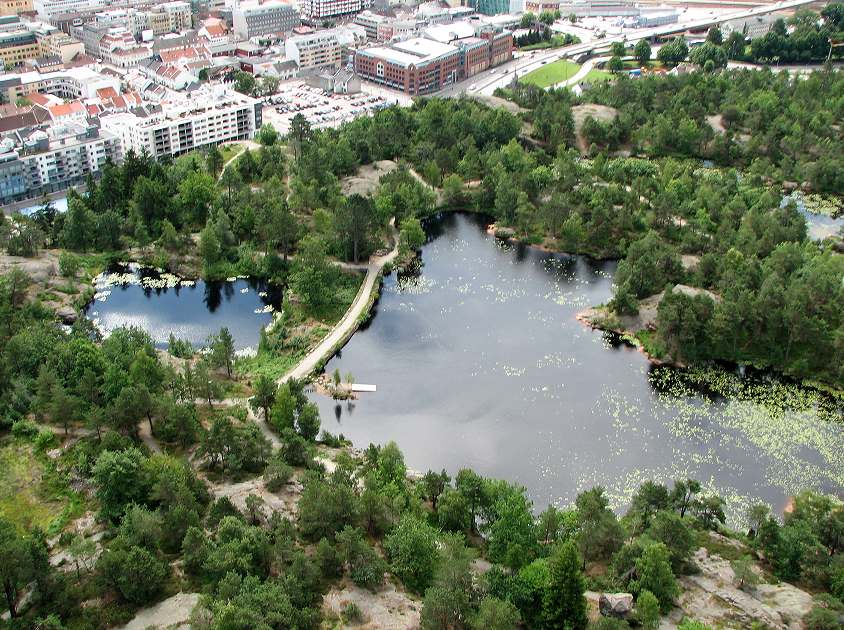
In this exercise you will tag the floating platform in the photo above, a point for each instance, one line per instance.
(362, 387)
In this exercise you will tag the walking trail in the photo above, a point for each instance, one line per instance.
(347, 325)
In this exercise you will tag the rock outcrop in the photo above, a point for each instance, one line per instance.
(713, 598)
(618, 605)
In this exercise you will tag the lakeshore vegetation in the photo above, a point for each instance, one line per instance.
(144, 442)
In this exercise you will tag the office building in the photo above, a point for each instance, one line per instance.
(320, 50)
(48, 8)
(316, 10)
(253, 19)
(15, 7)
(20, 42)
(447, 53)
(490, 7)
(415, 66)
(370, 22)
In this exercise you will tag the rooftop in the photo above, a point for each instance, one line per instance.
(412, 51)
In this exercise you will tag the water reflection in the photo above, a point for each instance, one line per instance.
(190, 312)
(479, 362)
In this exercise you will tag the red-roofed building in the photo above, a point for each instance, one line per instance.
(107, 92)
(74, 110)
(186, 54)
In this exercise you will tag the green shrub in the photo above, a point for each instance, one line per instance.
(24, 429)
(352, 613)
(44, 439)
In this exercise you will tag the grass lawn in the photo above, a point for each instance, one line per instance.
(632, 64)
(30, 493)
(228, 151)
(595, 76)
(552, 73)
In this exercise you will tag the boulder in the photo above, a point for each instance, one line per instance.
(593, 611)
(67, 314)
(618, 605)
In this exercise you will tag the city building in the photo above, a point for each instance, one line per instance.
(49, 8)
(415, 66)
(169, 17)
(18, 46)
(340, 82)
(69, 84)
(490, 7)
(324, 49)
(598, 8)
(47, 157)
(540, 6)
(15, 7)
(60, 45)
(113, 44)
(447, 53)
(209, 117)
(167, 75)
(253, 19)
(751, 27)
(316, 10)
(20, 42)
(370, 22)
(651, 18)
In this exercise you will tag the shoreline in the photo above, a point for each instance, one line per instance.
(588, 317)
(510, 239)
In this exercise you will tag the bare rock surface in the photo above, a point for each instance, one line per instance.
(173, 612)
(386, 609)
(284, 501)
(40, 268)
(713, 598)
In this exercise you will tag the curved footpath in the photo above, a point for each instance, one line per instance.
(343, 329)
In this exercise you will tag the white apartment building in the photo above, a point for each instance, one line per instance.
(49, 8)
(319, 9)
(70, 84)
(370, 22)
(211, 116)
(323, 49)
(51, 157)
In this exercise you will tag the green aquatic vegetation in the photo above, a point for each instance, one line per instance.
(795, 429)
(703, 423)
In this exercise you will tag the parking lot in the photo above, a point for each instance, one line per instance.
(319, 108)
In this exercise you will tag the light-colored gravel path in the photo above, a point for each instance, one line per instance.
(347, 325)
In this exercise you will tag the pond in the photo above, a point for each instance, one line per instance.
(824, 215)
(59, 203)
(479, 362)
(161, 304)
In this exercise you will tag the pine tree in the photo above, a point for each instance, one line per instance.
(563, 603)
(655, 575)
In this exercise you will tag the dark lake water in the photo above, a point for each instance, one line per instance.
(162, 304)
(480, 362)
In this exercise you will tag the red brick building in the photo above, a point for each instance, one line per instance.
(423, 66)
(416, 66)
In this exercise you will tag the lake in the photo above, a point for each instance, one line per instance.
(479, 362)
(161, 304)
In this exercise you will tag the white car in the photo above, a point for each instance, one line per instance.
(473, 86)
(493, 71)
